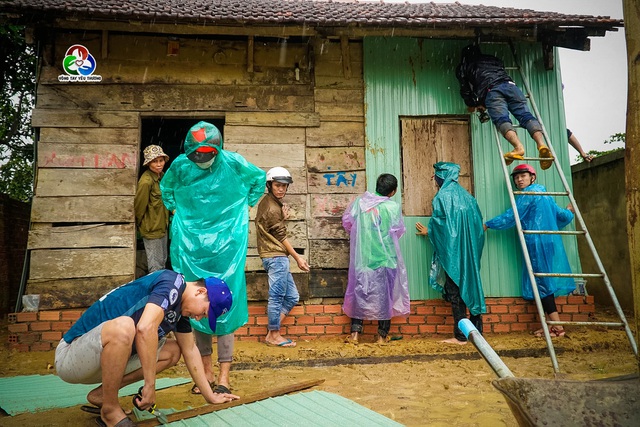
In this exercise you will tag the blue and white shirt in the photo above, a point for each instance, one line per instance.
(163, 288)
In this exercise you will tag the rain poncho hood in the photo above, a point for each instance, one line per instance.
(377, 288)
(546, 251)
(210, 227)
(457, 235)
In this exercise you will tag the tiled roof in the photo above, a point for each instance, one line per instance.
(307, 12)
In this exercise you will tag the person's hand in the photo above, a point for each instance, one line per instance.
(421, 229)
(587, 157)
(484, 226)
(570, 207)
(286, 210)
(224, 397)
(303, 265)
(471, 109)
(481, 108)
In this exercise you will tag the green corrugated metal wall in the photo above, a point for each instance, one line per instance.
(411, 77)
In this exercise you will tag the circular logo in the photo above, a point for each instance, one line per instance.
(78, 61)
(173, 296)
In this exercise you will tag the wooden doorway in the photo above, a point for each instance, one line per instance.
(425, 141)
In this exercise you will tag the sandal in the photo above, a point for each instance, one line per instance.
(545, 153)
(511, 156)
(196, 390)
(555, 332)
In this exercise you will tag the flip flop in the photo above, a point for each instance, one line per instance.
(220, 389)
(545, 153)
(286, 344)
(510, 157)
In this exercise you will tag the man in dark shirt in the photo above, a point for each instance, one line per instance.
(122, 338)
(485, 84)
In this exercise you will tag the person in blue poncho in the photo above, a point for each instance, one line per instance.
(209, 191)
(377, 287)
(546, 251)
(456, 233)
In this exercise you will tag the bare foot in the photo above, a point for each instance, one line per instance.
(454, 341)
(384, 340)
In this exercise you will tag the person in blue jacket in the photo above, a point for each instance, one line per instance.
(209, 191)
(546, 251)
(457, 235)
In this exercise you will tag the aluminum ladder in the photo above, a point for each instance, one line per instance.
(583, 232)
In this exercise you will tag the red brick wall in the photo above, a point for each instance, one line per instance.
(42, 331)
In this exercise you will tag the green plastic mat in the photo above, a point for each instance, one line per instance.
(36, 393)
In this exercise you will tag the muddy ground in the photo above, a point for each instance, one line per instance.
(416, 382)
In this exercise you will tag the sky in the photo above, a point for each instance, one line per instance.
(595, 81)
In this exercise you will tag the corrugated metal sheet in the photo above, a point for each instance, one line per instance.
(314, 408)
(411, 77)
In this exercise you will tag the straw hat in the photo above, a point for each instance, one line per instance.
(152, 152)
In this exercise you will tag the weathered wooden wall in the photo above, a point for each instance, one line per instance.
(297, 104)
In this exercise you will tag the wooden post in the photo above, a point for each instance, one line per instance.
(250, 54)
(190, 413)
(346, 57)
(631, 10)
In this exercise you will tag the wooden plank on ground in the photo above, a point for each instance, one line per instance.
(336, 134)
(74, 263)
(86, 182)
(329, 254)
(60, 118)
(83, 236)
(289, 119)
(335, 159)
(82, 209)
(207, 409)
(113, 136)
(74, 293)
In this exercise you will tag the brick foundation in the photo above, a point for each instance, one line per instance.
(42, 331)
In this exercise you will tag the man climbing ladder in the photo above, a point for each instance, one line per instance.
(485, 85)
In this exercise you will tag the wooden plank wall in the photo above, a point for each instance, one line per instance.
(309, 120)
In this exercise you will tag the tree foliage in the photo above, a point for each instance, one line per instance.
(17, 86)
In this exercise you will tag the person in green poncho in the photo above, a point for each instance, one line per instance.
(209, 191)
(457, 234)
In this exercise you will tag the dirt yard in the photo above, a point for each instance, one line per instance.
(416, 382)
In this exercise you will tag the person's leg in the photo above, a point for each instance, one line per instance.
(477, 321)
(498, 109)
(225, 357)
(156, 253)
(356, 329)
(550, 309)
(383, 331)
(203, 342)
(458, 309)
(278, 272)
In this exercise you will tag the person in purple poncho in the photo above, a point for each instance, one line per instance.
(377, 288)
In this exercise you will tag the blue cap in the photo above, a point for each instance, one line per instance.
(220, 299)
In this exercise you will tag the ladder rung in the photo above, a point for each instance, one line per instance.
(570, 232)
(542, 193)
(568, 275)
(560, 322)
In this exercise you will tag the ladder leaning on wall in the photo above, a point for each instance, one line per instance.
(581, 233)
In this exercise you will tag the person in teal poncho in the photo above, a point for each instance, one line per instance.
(546, 251)
(456, 233)
(377, 287)
(209, 191)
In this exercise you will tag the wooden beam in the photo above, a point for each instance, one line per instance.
(207, 409)
(346, 57)
(105, 44)
(250, 54)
